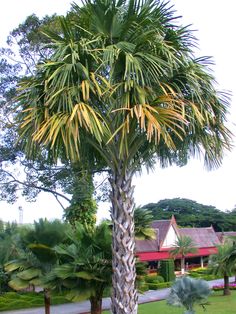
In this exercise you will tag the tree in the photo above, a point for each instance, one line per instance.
(181, 248)
(71, 184)
(123, 84)
(86, 264)
(36, 257)
(191, 213)
(188, 292)
(223, 264)
(143, 219)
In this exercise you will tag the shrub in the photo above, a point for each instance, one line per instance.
(167, 270)
(160, 279)
(58, 300)
(150, 279)
(142, 286)
(232, 286)
(18, 304)
(153, 285)
(163, 285)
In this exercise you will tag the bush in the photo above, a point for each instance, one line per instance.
(150, 279)
(160, 279)
(163, 285)
(153, 285)
(18, 304)
(232, 286)
(58, 300)
(167, 268)
(142, 286)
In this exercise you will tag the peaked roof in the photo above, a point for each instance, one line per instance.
(161, 227)
(202, 237)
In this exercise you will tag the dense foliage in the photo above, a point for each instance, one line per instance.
(189, 213)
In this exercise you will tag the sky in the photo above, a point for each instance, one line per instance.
(214, 23)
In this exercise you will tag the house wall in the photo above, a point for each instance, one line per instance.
(170, 239)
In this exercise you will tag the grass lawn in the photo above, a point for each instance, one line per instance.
(219, 304)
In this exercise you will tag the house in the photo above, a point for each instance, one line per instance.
(167, 232)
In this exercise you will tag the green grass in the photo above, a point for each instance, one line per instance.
(219, 304)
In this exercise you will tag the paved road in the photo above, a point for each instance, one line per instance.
(83, 307)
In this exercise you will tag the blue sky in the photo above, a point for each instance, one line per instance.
(215, 25)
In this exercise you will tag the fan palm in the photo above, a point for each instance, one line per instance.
(86, 264)
(122, 82)
(142, 220)
(36, 258)
(182, 247)
(223, 263)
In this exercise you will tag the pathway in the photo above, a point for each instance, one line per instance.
(83, 307)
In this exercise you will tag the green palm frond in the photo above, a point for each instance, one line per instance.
(29, 273)
(183, 246)
(18, 284)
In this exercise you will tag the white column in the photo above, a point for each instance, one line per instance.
(202, 262)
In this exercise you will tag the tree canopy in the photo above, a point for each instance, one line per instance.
(189, 213)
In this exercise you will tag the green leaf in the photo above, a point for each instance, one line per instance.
(18, 284)
(29, 273)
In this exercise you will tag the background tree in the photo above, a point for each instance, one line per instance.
(26, 46)
(191, 213)
(122, 81)
(181, 248)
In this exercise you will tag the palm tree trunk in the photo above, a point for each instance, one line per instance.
(182, 265)
(124, 296)
(47, 301)
(226, 286)
(96, 305)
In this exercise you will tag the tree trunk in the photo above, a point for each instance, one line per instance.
(226, 286)
(124, 297)
(47, 301)
(182, 265)
(96, 305)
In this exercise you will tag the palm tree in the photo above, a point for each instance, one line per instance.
(143, 219)
(36, 257)
(223, 263)
(122, 84)
(182, 247)
(86, 264)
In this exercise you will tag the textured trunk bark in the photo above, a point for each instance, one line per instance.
(96, 305)
(124, 296)
(226, 286)
(47, 300)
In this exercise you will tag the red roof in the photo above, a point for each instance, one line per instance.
(202, 237)
(154, 256)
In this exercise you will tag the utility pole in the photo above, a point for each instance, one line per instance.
(20, 215)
